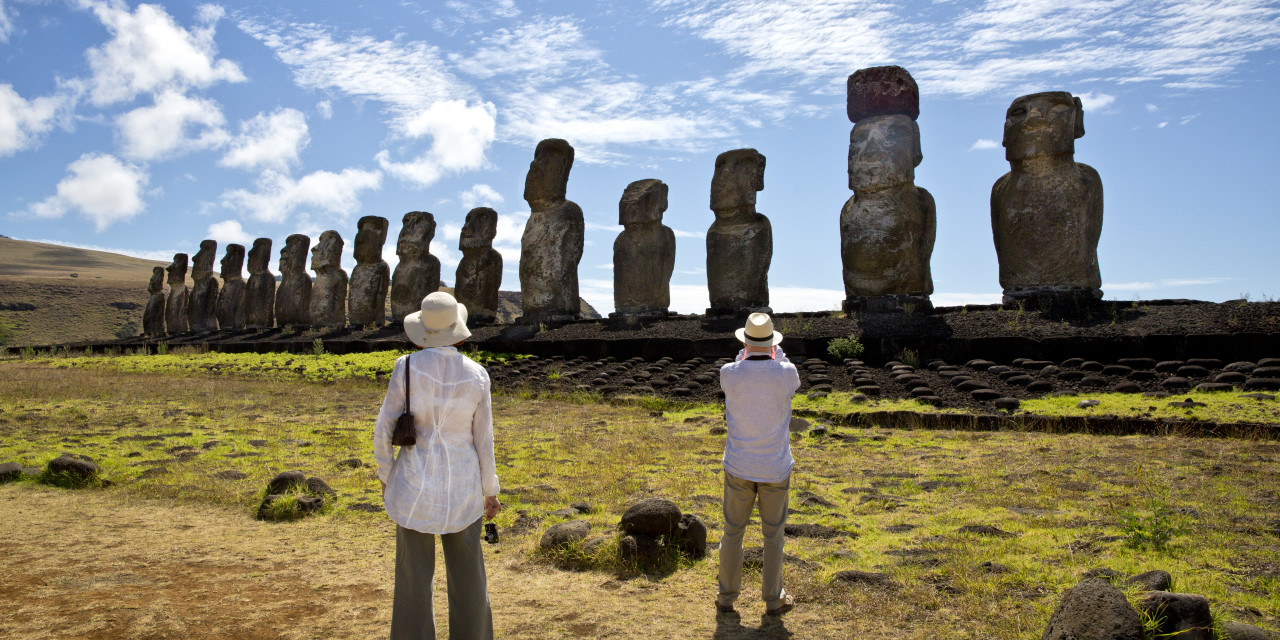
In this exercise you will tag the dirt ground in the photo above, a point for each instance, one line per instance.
(95, 565)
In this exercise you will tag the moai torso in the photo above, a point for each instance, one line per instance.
(153, 316)
(231, 312)
(888, 227)
(740, 241)
(293, 295)
(1046, 213)
(644, 254)
(329, 292)
(202, 305)
(260, 293)
(175, 306)
(418, 273)
(367, 297)
(479, 274)
(551, 247)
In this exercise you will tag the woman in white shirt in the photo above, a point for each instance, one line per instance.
(446, 482)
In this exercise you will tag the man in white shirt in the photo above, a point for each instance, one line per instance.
(758, 386)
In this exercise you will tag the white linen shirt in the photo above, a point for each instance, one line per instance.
(757, 410)
(438, 485)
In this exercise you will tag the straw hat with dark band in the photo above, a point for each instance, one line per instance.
(441, 322)
(759, 331)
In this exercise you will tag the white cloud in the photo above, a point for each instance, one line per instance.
(149, 52)
(279, 195)
(6, 23)
(23, 122)
(99, 186)
(690, 298)
(946, 299)
(459, 133)
(325, 109)
(984, 143)
(1095, 101)
(507, 240)
(166, 127)
(689, 234)
(788, 299)
(1188, 119)
(608, 228)
(269, 142)
(448, 256)
(1158, 284)
(480, 195)
(228, 232)
(1162, 125)
(1151, 108)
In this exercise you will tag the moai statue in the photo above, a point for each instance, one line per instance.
(418, 274)
(480, 271)
(740, 241)
(260, 294)
(202, 305)
(175, 306)
(153, 316)
(293, 295)
(887, 228)
(231, 311)
(367, 296)
(329, 293)
(644, 254)
(1046, 213)
(551, 247)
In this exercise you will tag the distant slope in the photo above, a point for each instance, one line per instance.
(51, 294)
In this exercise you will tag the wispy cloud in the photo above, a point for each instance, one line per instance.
(983, 143)
(1159, 284)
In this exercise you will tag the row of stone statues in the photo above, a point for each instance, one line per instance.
(1046, 219)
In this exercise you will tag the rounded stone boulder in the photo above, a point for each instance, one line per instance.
(286, 481)
(690, 536)
(640, 548)
(10, 471)
(879, 91)
(1181, 615)
(1094, 609)
(74, 467)
(560, 536)
(651, 516)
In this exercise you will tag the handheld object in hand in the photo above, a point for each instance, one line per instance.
(491, 533)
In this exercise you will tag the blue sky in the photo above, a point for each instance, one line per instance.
(144, 128)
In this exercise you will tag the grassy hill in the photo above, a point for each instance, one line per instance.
(51, 294)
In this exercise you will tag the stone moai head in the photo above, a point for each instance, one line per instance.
(643, 201)
(371, 234)
(480, 229)
(233, 262)
(1042, 124)
(293, 257)
(327, 254)
(202, 263)
(260, 255)
(178, 269)
(157, 280)
(548, 179)
(416, 232)
(883, 151)
(739, 175)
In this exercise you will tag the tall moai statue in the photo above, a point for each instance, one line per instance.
(202, 306)
(153, 315)
(260, 294)
(371, 277)
(479, 272)
(293, 294)
(887, 228)
(644, 254)
(175, 306)
(418, 274)
(231, 310)
(551, 247)
(329, 293)
(740, 241)
(1046, 213)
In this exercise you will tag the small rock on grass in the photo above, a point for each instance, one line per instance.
(1155, 580)
(1008, 404)
(651, 516)
(992, 567)
(1094, 609)
(1182, 615)
(1086, 404)
(350, 463)
(78, 467)
(10, 471)
(560, 536)
(1241, 631)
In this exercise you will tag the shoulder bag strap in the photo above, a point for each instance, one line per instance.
(406, 383)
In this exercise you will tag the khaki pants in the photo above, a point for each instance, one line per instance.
(412, 614)
(739, 496)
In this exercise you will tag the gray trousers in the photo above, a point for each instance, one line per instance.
(739, 497)
(412, 614)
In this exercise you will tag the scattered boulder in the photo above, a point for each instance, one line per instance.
(1156, 580)
(76, 469)
(561, 536)
(1093, 610)
(1241, 631)
(350, 463)
(690, 536)
(641, 549)
(651, 516)
(285, 481)
(10, 471)
(1184, 615)
(309, 495)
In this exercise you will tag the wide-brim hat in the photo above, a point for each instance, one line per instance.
(759, 331)
(441, 322)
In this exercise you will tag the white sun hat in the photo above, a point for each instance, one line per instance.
(441, 322)
(759, 331)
